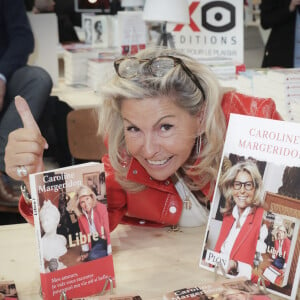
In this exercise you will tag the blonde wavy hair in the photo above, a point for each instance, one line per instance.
(177, 86)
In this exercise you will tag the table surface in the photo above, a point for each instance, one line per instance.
(148, 261)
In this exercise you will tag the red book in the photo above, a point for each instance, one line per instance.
(72, 231)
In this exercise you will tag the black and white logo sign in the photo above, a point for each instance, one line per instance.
(218, 16)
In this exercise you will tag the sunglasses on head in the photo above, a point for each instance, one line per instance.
(128, 68)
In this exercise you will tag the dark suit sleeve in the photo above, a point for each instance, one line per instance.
(16, 37)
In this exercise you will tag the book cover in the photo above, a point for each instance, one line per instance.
(8, 290)
(275, 247)
(260, 157)
(238, 288)
(96, 29)
(72, 230)
(112, 297)
(286, 202)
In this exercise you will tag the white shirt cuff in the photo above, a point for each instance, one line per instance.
(2, 77)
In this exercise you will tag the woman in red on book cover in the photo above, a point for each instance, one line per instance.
(282, 246)
(241, 186)
(93, 224)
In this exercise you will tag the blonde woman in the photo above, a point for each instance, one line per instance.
(164, 116)
(241, 186)
(93, 221)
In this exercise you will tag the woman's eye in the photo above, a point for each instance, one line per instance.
(132, 129)
(166, 127)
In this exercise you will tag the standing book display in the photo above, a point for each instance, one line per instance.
(253, 227)
(72, 231)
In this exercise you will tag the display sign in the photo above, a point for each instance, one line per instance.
(216, 29)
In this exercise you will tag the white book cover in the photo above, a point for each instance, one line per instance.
(260, 157)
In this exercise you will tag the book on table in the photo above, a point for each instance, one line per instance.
(8, 290)
(276, 247)
(111, 297)
(257, 195)
(237, 288)
(72, 230)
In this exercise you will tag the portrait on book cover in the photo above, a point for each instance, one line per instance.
(270, 185)
(238, 213)
(239, 203)
(93, 223)
(276, 259)
(275, 242)
(8, 290)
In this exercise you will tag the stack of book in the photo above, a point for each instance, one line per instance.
(76, 62)
(100, 69)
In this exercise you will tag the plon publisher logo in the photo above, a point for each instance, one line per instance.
(218, 16)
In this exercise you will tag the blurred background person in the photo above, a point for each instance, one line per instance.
(283, 45)
(67, 17)
(43, 6)
(17, 78)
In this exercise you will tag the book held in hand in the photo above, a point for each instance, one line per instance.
(253, 227)
(72, 230)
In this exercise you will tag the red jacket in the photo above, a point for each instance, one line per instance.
(245, 244)
(285, 248)
(100, 220)
(159, 204)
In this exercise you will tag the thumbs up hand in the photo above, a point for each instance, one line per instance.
(25, 146)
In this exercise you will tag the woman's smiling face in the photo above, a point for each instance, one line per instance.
(159, 134)
(243, 197)
(86, 203)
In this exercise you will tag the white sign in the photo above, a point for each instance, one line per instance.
(216, 29)
(132, 31)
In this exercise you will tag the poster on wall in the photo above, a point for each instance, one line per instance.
(216, 30)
